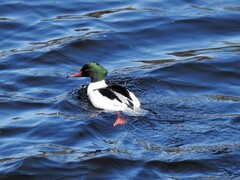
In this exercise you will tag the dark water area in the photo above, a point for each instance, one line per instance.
(181, 59)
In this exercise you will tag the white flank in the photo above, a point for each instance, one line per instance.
(102, 102)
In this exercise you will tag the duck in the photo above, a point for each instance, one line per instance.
(107, 97)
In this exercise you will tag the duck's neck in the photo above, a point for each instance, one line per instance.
(96, 85)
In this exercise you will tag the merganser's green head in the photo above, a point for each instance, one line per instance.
(93, 70)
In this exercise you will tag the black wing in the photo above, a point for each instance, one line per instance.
(121, 90)
(109, 93)
(112, 91)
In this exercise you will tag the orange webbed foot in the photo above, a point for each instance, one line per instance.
(119, 120)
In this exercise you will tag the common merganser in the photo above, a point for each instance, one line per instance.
(110, 98)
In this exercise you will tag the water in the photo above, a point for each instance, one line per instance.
(181, 58)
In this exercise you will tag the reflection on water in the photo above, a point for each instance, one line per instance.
(36, 46)
(181, 59)
(99, 14)
(232, 47)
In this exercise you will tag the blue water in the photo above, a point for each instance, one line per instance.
(181, 58)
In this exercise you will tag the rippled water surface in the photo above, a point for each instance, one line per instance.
(181, 58)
